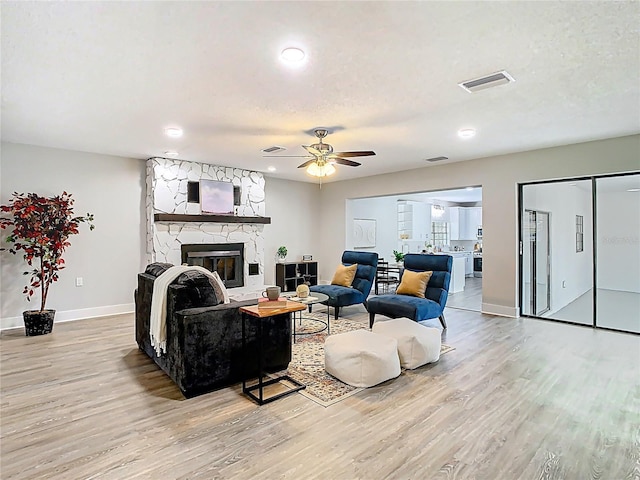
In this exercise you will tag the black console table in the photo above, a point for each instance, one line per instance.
(258, 314)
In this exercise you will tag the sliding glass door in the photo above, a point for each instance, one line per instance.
(618, 253)
(556, 265)
(580, 251)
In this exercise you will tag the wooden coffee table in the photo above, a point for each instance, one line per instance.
(259, 314)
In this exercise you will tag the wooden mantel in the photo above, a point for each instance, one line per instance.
(177, 217)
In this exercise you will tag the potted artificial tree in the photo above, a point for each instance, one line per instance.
(40, 227)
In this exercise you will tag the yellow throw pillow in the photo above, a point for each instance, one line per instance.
(344, 275)
(414, 283)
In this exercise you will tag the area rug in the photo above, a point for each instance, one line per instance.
(307, 363)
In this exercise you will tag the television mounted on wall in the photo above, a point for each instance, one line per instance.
(216, 197)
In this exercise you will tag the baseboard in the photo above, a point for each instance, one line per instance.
(500, 310)
(70, 315)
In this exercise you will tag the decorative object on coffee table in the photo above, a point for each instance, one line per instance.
(302, 291)
(40, 227)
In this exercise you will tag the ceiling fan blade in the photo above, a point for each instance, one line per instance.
(344, 161)
(306, 164)
(288, 156)
(354, 154)
(312, 150)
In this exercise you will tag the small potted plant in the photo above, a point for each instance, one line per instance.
(399, 256)
(40, 228)
(281, 253)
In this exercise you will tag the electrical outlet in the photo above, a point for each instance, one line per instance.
(79, 281)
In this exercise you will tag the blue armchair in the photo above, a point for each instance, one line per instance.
(340, 296)
(415, 308)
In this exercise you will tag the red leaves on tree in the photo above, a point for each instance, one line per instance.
(41, 227)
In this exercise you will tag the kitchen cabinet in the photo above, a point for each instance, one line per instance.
(473, 220)
(465, 222)
(468, 264)
(454, 220)
(457, 274)
(414, 220)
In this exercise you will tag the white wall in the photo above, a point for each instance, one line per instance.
(108, 258)
(618, 251)
(294, 208)
(383, 210)
(563, 202)
(499, 177)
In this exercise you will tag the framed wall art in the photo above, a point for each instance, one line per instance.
(364, 233)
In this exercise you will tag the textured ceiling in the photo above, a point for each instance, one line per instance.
(107, 77)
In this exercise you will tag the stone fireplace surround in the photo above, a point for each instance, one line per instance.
(167, 181)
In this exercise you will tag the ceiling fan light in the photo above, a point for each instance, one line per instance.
(321, 170)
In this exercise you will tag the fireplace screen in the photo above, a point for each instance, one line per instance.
(225, 258)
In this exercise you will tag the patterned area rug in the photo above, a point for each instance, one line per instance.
(307, 364)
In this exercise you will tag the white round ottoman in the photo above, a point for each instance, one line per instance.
(417, 344)
(361, 358)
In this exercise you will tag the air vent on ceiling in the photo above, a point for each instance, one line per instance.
(437, 159)
(273, 149)
(488, 81)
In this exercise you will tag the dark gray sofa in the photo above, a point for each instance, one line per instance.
(204, 337)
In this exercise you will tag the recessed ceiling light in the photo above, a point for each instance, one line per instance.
(271, 169)
(466, 133)
(634, 190)
(171, 153)
(292, 54)
(174, 132)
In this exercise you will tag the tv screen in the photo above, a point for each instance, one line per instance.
(216, 197)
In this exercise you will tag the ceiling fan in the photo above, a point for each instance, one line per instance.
(322, 157)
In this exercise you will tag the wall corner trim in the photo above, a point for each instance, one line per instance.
(71, 315)
(500, 310)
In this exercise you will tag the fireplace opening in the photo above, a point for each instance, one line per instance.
(225, 258)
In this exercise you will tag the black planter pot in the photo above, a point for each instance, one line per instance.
(38, 322)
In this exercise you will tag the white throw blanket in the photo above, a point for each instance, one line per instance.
(158, 321)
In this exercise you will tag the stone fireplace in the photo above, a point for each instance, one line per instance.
(225, 258)
(167, 193)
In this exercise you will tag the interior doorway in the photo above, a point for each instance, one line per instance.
(536, 263)
(439, 222)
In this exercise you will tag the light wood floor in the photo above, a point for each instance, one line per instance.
(470, 298)
(517, 399)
